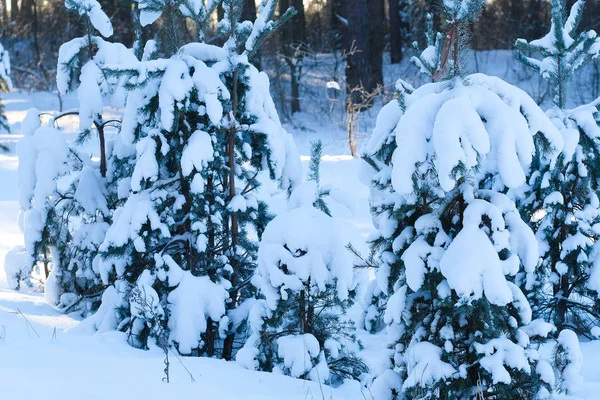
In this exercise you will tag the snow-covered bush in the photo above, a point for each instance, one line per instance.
(561, 201)
(65, 198)
(5, 86)
(450, 242)
(306, 274)
(17, 269)
(80, 63)
(63, 215)
(429, 60)
(198, 129)
(42, 156)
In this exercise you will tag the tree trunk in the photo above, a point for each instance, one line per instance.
(293, 40)
(233, 228)
(5, 18)
(398, 29)
(249, 11)
(376, 24)
(26, 11)
(359, 68)
(14, 10)
(516, 17)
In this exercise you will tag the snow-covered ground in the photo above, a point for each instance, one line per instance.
(44, 354)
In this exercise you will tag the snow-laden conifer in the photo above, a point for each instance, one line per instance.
(65, 201)
(561, 202)
(5, 86)
(199, 133)
(450, 243)
(307, 277)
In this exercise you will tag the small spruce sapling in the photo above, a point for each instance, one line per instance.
(66, 206)
(198, 129)
(306, 275)
(5, 86)
(376, 174)
(429, 60)
(450, 242)
(561, 202)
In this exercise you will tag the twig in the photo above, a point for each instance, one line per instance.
(28, 324)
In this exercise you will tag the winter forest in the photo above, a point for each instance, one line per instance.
(300, 199)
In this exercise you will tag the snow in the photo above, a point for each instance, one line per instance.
(128, 221)
(572, 378)
(93, 10)
(505, 141)
(472, 267)
(80, 360)
(500, 353)
(194, 301)
(104, 365)
(197, 153)
(5, 66)
(315, 251)
(297, 353)
(425, 366)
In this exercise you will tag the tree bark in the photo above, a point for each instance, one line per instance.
(5, 18)
(398, 29)
(14, 10)
(249, 11)
(233, 228)
(293, 40)
(376, 24)
(359, 67)
(26, 11)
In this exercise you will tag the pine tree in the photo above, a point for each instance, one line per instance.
(43, 159)
(306, 274)
(378, 158)
(63, 192)
(451, 243)
(429, 60)
(198, 129)
(5, 85)
(561, 203)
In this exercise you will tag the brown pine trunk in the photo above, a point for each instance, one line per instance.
(359, 68)
(293, 40)
(398, 29)
(234, 229)
(249, 11)
(376, 24)
(14, 10)
(26, 11)
(5, 17)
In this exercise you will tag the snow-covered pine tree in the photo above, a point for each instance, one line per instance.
(43, 155)
(80, 63)
(306, 275)
(376, 174)
(429, 60)
(5, 85)
(199, 132)
(65, 222)
(450, 241)
(561, 203)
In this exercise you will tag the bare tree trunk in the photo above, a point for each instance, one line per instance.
(359, 68)
(5, 18)
(249, 11)
(293, 39)
(376, 23)
(234, 229)
(26, 11)
(14, 10)
(398, 29)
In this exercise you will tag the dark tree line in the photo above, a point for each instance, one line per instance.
(363, 32)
